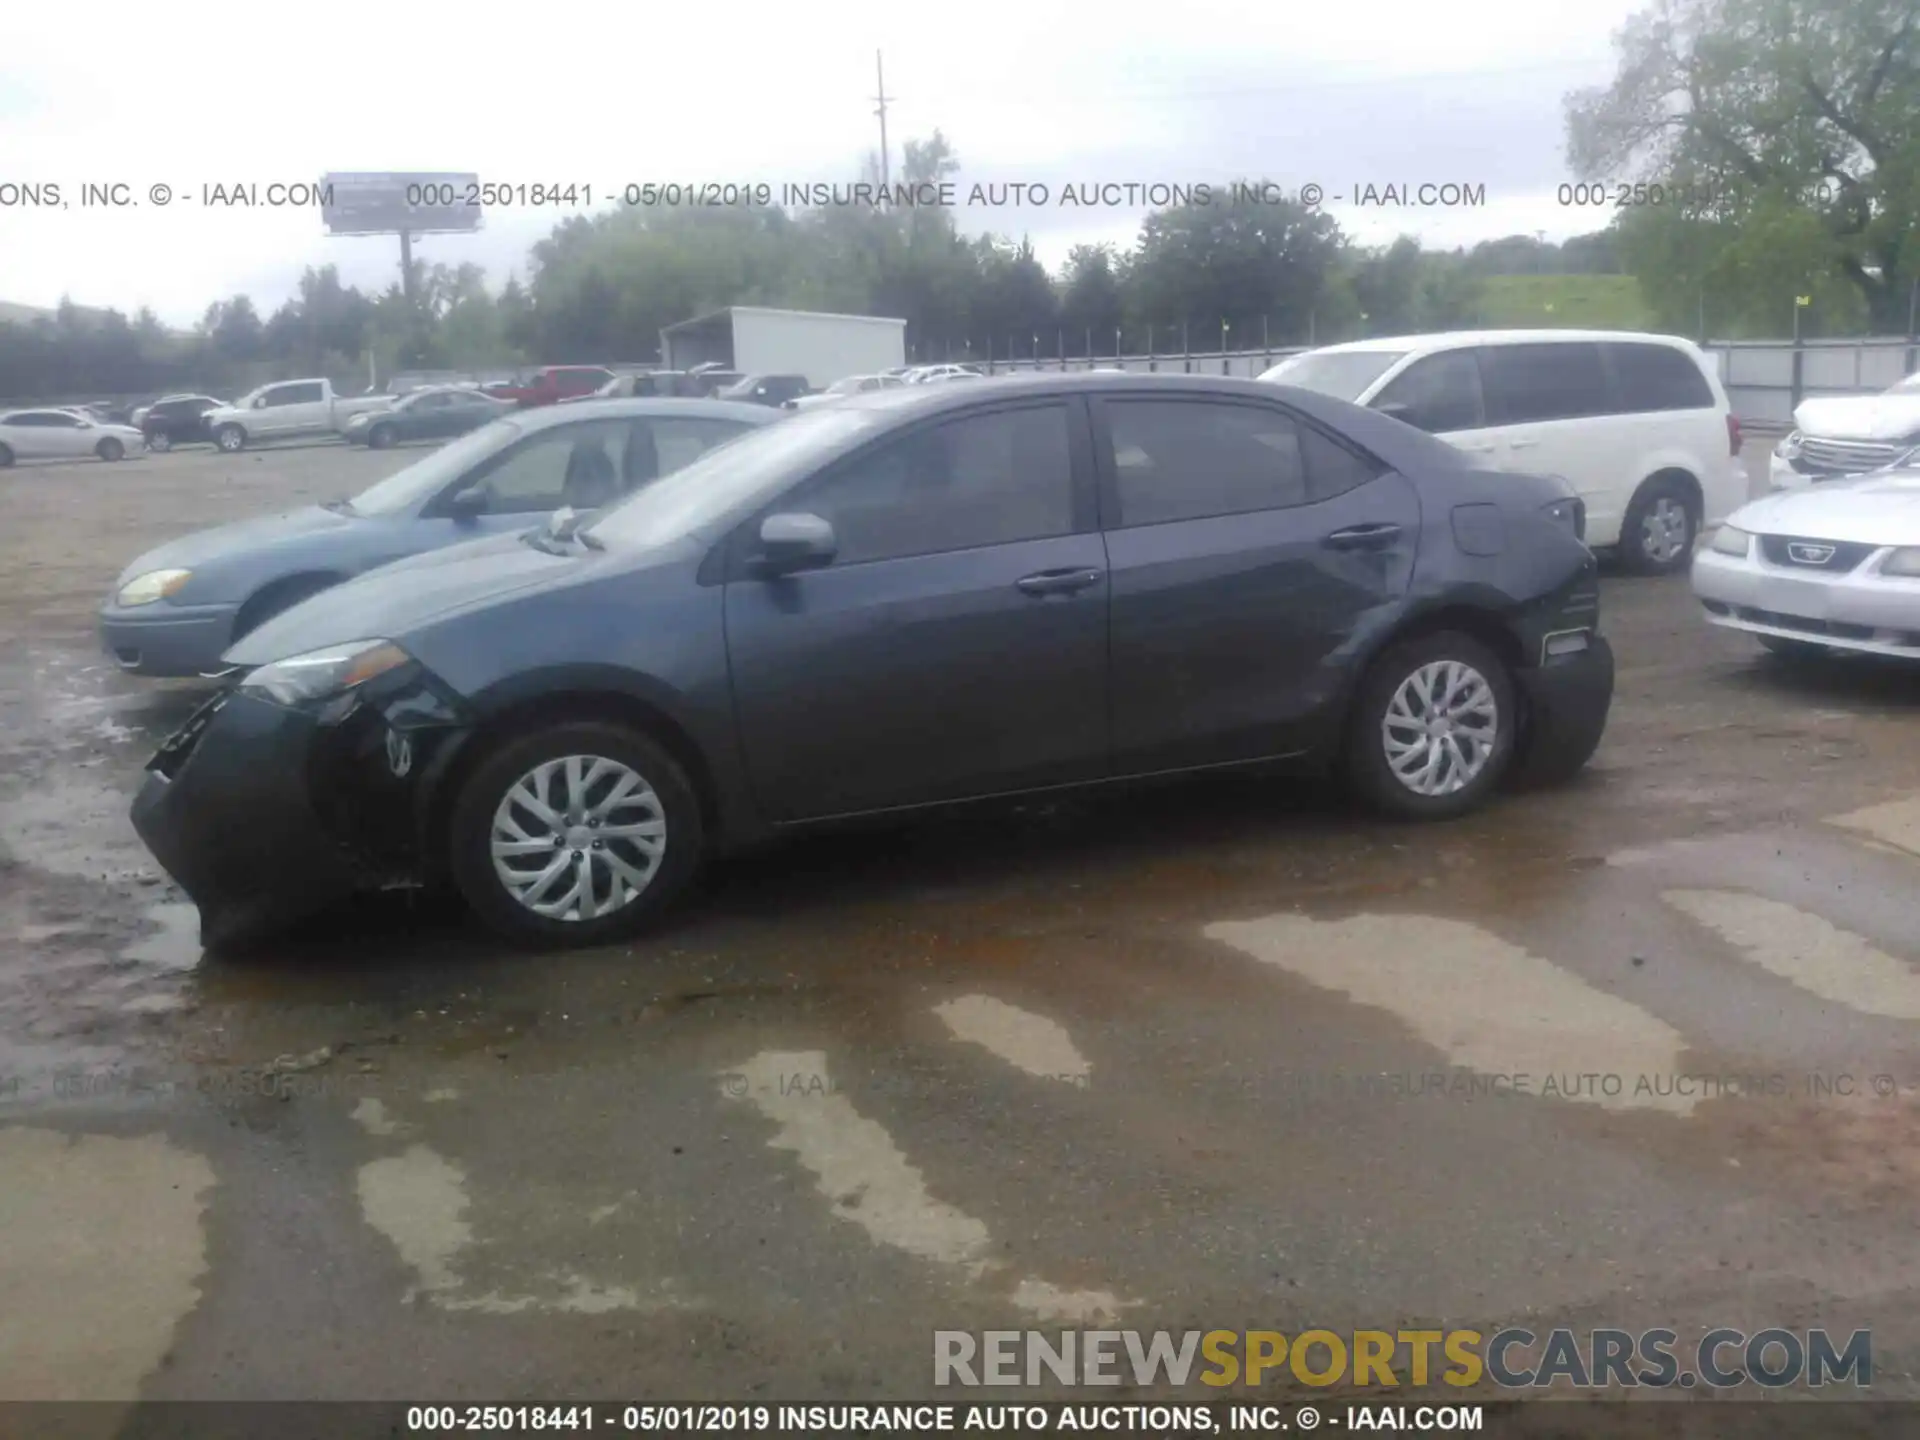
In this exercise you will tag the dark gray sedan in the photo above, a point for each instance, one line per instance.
(173, 610)
(938, 594)
(437, 412)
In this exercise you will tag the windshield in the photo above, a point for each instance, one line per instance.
(1343, 374)
(729, 476)
(407, 488)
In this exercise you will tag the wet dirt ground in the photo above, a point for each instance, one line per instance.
(1187, 1059)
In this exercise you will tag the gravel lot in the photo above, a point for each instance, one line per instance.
(1096, 1061)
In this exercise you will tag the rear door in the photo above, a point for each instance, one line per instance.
(1555, 404)
(956, 646)
(1250, 551)
(1667, 414)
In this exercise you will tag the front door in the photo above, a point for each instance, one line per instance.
(1249, 550)
(955, 646)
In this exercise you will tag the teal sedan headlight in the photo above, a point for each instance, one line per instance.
(152, 586)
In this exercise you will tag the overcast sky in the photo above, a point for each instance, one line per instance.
(609, 93)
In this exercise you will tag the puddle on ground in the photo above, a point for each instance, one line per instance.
(175, 945)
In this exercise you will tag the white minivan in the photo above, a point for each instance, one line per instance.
(1638, 424)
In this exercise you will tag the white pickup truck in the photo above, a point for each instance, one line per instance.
(284, 410)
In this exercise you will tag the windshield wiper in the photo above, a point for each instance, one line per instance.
(590, 540)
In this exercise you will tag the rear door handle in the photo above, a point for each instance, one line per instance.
(1521, 442)
(1486, 449)
(1363, 537)
(1057, 582)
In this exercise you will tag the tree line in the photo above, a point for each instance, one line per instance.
(1758, 163)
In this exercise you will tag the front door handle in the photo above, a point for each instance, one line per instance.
(1521, 444)
(1363, 537)
(1057, 582)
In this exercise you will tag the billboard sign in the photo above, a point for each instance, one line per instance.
(388, 202)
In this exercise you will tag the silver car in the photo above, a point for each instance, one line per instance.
(58, 433)
(1830, 567)
(174, 610)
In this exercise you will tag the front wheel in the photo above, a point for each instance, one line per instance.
(1433, 729)
(110, 449)
(380, 437)
(230, 438)
(578, 833)
(1658, 534)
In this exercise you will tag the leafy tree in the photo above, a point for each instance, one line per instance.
(1755, 112)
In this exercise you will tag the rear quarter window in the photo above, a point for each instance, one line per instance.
(1650, 377)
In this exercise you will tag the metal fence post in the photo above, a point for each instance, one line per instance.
(1799, 358)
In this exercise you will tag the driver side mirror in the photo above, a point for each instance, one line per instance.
(469, 504)
(793, 542)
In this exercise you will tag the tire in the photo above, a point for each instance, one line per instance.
(1788, 649)
(1661, 525)
(110, 450)
(1407, 664)
(380, 437)
(160, 442)
(484, 795)
(6, 456)
(263, 605)
(230, 438)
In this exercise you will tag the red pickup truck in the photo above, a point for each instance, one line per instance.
(552, 383)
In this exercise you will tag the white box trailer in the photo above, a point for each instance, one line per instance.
(757, 341)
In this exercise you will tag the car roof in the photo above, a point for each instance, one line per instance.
(1461, 339)
(618, 408)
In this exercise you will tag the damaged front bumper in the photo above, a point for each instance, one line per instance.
(265, 813)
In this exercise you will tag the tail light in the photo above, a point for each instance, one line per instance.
(1733, 435)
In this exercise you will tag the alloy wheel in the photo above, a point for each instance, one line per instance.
(1440, 728)
(578, 837)
(1664, 530)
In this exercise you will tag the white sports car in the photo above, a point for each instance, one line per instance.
(1831, 566)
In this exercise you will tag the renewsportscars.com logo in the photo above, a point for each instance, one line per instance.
(1512, 1358)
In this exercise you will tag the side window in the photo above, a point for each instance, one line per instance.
(1438, 394)
(1334, 468)
(1657, 377)
(679, 440)
(1529, 383)
(306, 394)
(992, 479)
(1186, 460)
(278, 395)
(577, 465)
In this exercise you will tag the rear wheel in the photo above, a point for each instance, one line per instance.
(380, 437)
(1657, 536)
(1433, 730)
(6, 456)
(110, 449)
(230, 438)
(160, 441)
(577, 833)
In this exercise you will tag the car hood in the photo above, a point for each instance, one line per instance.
(1876, 510)
(389, 603)
(204, 545)
(1860, 417)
